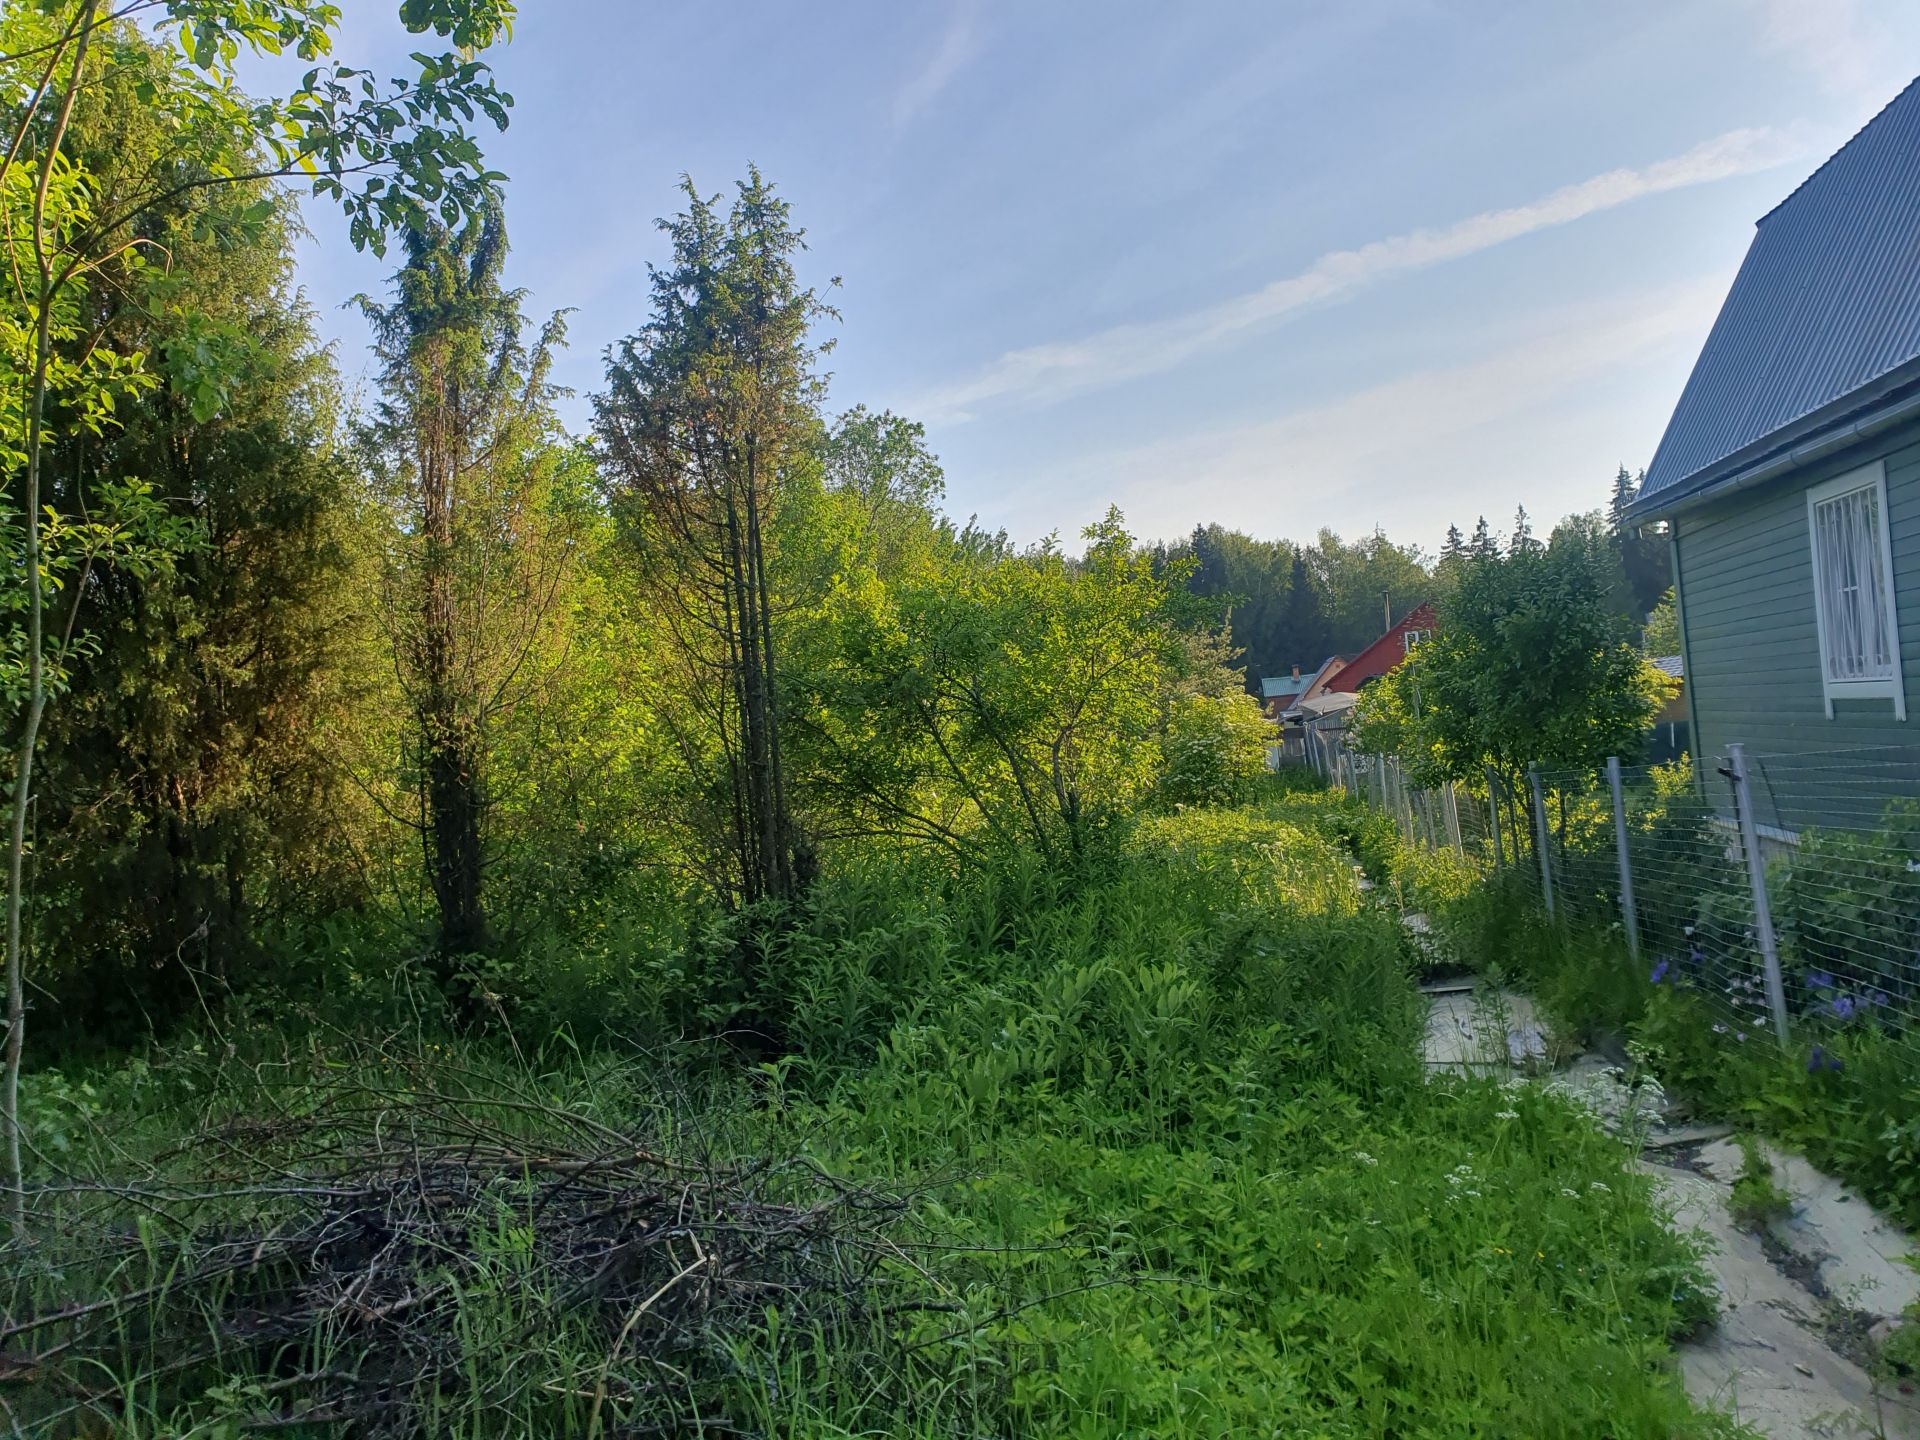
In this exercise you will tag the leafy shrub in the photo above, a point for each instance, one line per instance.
(1756, 1200)
(1848, 904)
(1214, 748)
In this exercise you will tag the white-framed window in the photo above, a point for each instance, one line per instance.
(1853, 589)
(1415, 637)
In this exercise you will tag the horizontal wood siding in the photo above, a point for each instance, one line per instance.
(1751, 637)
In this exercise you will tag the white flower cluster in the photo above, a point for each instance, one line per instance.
(1615, 1101)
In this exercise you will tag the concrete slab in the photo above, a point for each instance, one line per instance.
(1767, 1361)
(1479, 1030)
(1857, 1254)
(1773, 1360)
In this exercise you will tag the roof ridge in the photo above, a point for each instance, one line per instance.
(1822, 166)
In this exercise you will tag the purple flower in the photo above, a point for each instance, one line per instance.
(1660, 970)
(1878, 997)
(1740, 1035)
(1843, 1006)
(1820, 980)
(1822, 1059)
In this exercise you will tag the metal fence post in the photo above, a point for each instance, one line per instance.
(1757, 878)
(1493, 814)
(1540, 837)
(1629, 913)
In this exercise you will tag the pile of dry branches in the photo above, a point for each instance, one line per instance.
(389, 1244)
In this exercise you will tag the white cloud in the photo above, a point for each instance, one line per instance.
(1522, 423)
(1831, 38)
(959, 43)
(1042, 373)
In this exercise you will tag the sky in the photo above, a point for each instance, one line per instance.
(1283, 266)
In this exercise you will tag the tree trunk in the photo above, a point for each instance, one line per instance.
(450, 749)
(14, 1176)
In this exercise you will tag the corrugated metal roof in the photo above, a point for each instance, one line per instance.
(1827, 301)
(1672, 665)
(1274, 687)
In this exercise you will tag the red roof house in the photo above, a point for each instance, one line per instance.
(1386, 652)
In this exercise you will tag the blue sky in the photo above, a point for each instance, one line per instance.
(1283, 266)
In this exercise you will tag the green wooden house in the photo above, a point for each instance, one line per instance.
(1789, 476)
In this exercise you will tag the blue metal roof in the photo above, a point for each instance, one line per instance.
(1827, 302)
(1277, 687)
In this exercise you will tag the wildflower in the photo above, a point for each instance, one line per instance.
(1570, 1193)
(1719, 1029)
(1878, 997)
(1740, 1035)
(1364, 1158)
(1601, 1186)
(1820, 980)
(1507, 1115)
(1660, 970)
(1843, 1006)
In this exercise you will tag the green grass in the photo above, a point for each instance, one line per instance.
(1174, 1168)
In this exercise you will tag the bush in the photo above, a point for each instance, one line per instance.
(1214, 749)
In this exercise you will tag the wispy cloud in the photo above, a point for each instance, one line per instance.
(1041, 374)
(1514, 423)
(959, 43)
(1831, 38)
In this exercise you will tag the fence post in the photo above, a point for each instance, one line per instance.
(1629, 913)
(1493, 814)
(1540, 838)
(1757, 878)
(1453, 818)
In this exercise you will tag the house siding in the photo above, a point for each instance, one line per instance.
(1751, 635)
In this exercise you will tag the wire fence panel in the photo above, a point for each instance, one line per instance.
(1844, 879)
(1822, 878)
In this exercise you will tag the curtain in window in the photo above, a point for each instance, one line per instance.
(1854, 600)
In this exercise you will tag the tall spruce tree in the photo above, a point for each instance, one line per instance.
(1303, 622)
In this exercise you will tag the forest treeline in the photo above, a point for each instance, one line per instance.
(1288, 604)
(432, 681)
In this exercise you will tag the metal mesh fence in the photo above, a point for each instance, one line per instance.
(1784, 890)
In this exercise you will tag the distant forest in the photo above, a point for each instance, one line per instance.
(1285, 603)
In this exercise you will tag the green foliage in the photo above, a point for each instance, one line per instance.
(1662, 635)
(1294, 604)
(992, 700)
(1841, 887)
(1173, 1156)
(1213, 749)
(1533, 664)
(1757, 1200)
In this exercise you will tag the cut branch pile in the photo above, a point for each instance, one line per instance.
(378, 1254)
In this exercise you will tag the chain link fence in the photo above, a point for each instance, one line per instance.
(1783, 889)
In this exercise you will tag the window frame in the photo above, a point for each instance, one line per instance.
(1871, 476)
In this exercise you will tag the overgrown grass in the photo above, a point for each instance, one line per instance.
(1174, 1168)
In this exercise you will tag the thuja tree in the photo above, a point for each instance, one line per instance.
(471, 462)
(383, 151)
(709, 425)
